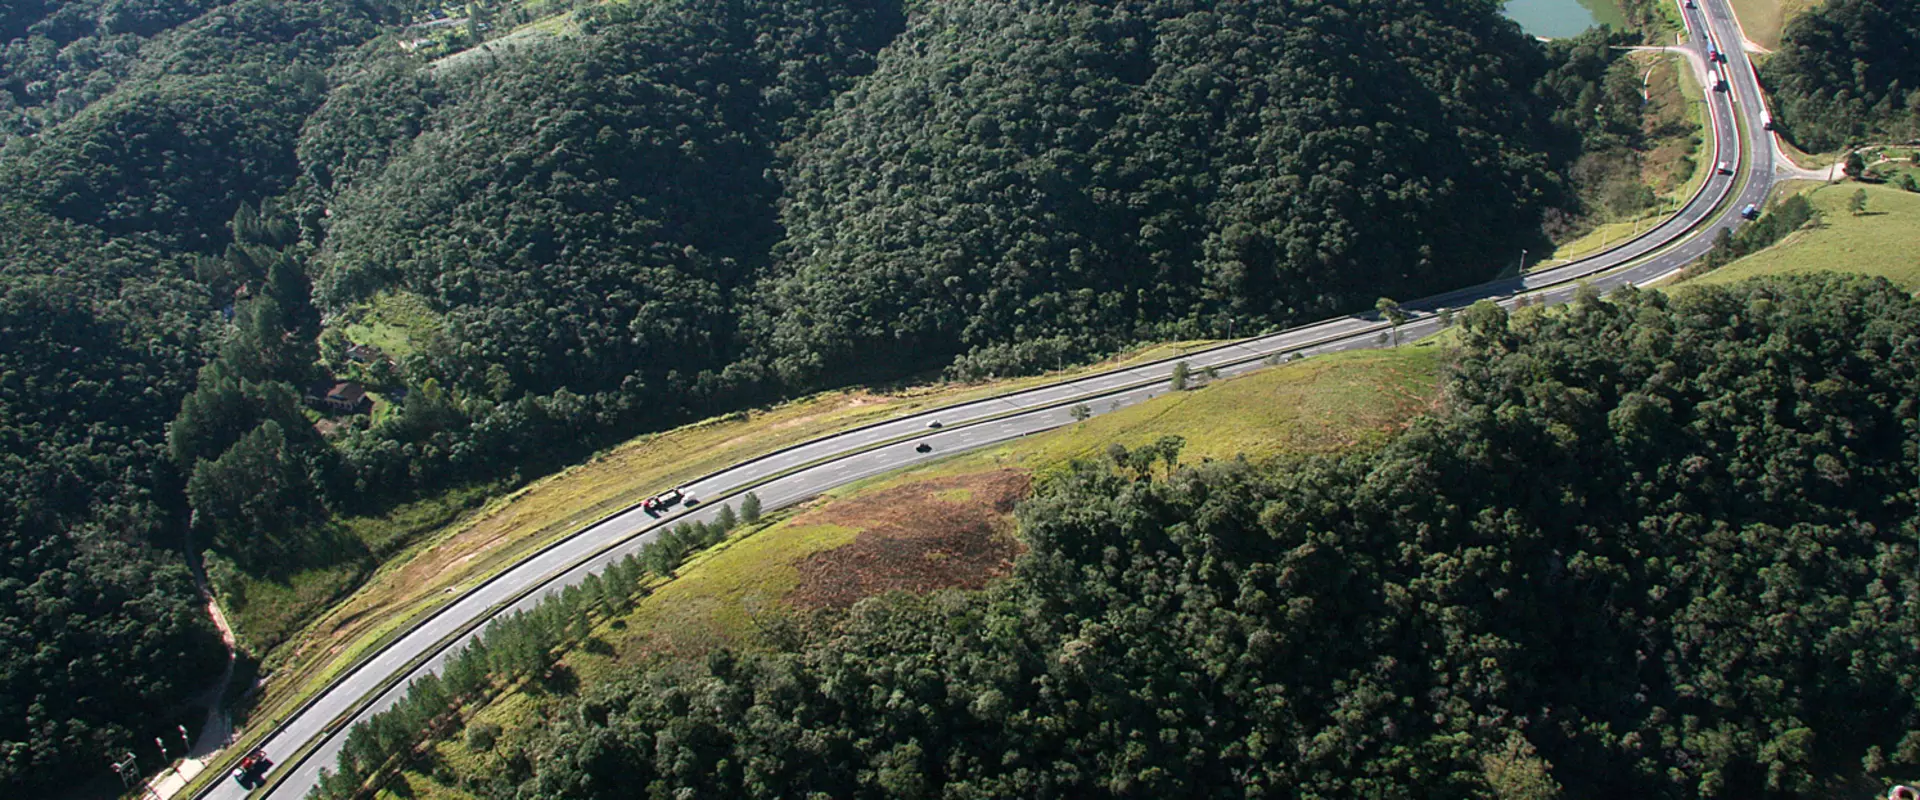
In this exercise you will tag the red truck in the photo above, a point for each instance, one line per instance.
(252, 772)
(662, 502)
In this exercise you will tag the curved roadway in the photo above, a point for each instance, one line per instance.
(792, 475)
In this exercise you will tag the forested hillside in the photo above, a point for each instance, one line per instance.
(132, 132)
(1021, 182)
(101, 631)
(1848, 72)
(668, 209)
(649, 221)
(1654, 547)
(579, 215)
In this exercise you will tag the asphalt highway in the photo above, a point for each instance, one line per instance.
(792, 475)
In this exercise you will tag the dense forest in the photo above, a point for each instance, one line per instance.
(638, 224)
(101, 630)
(578, 216)
(664, 210)
(1020, 181)
(1848, 73)
(132, 131)
(686, 208)
(1654, 546)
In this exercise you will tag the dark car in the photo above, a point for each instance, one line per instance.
(923, 447)
(1750, 212)
(934, 424)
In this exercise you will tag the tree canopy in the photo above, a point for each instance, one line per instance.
(1848, 72)
(1017, 182)
(101, 630)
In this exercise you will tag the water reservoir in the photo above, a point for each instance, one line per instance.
(1559, 18)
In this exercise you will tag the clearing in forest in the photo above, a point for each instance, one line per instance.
(952, 532)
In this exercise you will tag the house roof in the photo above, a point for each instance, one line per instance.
(347, 392)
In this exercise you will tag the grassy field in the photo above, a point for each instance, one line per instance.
(1889, 164)
(1319, 405)
(395, 322)
(1885, 241)
(457, 540)
(1670, 165)
(1764, 19)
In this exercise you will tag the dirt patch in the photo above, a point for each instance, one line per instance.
(917, 538)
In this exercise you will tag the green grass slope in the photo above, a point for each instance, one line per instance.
(1884, 242)
(1319, 405)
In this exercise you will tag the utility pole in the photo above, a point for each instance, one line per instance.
(1523, 261)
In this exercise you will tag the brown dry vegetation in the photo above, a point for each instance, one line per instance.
(1670, 127)
(951, 532)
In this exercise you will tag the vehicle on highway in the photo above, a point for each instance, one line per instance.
(935, 424)
(663, 501)
(252, 772)
(1725, 168)
(1750, 212)
(923, 447)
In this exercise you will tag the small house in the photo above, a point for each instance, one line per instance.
(343, 397)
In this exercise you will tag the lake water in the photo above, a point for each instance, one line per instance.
(1557, 18)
